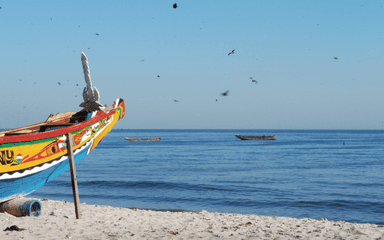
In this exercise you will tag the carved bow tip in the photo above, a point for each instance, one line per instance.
(83, 56)
(91, 95)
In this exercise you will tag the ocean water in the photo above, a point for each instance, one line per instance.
(338, 175)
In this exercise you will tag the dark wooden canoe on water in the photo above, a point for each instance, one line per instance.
(143, 139)
(244, 137)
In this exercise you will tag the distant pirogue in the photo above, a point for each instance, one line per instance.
(244, 137)
(142, 139)
(34, 155)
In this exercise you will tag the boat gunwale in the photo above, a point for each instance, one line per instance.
(57, 132)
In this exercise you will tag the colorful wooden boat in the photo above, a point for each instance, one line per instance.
(34, 155)
(244, 137)
(142, 139)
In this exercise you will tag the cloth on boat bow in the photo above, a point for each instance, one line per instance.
(91, 95)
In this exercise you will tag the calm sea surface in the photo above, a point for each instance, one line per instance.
(338, 175)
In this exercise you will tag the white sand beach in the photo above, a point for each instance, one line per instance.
(58, 221)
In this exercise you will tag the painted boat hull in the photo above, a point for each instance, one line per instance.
(29, 161)
(244, 137)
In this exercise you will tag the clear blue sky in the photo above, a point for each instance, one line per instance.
(289, 47)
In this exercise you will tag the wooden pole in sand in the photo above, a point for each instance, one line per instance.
(73, 175)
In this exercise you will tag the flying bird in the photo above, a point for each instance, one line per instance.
(233, 52)
(175, 5)
(335, 58)
(224, 93)
(158, 76)
(253, 80)
(59, 83)
(175, 101)
(97, 34)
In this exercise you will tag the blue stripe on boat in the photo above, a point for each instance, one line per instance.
(11, 188)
